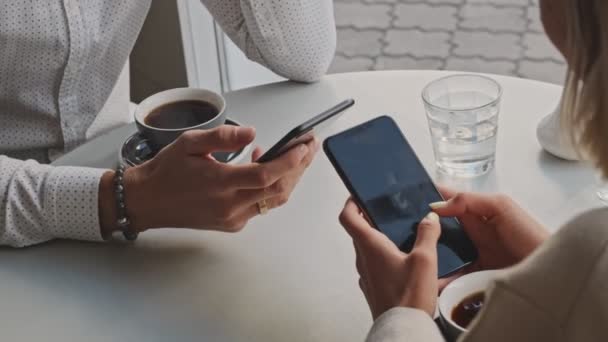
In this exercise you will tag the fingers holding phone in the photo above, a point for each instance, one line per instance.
(269, 180)
(278, 193)
(389, 277)
(503, 233)
(269, 185)
(389, 183)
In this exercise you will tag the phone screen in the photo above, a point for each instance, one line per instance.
(390, 184)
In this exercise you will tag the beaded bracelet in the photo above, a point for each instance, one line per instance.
(123, 222)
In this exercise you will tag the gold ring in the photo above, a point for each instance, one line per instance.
(263, 207)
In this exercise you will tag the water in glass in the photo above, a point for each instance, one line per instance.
(462, 111)
(464, 141)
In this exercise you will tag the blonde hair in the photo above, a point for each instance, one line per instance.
(585, 100)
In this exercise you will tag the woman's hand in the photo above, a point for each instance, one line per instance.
(503, 233)
(389, 277)
(184, 187)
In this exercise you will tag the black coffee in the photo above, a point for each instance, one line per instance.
(466, 310)
(181, 114)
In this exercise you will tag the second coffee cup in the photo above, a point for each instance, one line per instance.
(163, 117)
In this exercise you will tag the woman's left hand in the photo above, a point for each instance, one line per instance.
(389, 277)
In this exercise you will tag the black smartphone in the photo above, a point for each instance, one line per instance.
(390, 185)
(305, 132)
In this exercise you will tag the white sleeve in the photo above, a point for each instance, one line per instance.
(294, 38)
(404, 324)
(41, 202)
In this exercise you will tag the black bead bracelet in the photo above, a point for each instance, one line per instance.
(123, 222)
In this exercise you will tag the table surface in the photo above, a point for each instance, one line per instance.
(290, 275)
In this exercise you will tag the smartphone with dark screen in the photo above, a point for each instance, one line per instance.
(305, 132)
(390, 185)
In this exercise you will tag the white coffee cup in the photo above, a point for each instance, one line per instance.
(456, 292)
(161, 137)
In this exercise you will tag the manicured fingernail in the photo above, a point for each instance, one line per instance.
(432, 216)
(438, 205)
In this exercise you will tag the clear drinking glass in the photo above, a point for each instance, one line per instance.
(463, 118)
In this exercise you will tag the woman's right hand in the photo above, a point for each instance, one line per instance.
(503, 233)
(185, 187)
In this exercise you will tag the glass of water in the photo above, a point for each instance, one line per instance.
(463, 118)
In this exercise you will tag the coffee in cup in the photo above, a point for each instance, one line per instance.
(462, 300)
(465, 311)
(181, 114)
(163, 117)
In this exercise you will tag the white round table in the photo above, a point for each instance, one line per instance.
(290, 275)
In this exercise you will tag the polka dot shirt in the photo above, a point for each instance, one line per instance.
(60, 62)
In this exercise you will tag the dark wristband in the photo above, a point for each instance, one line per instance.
(123, 222)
